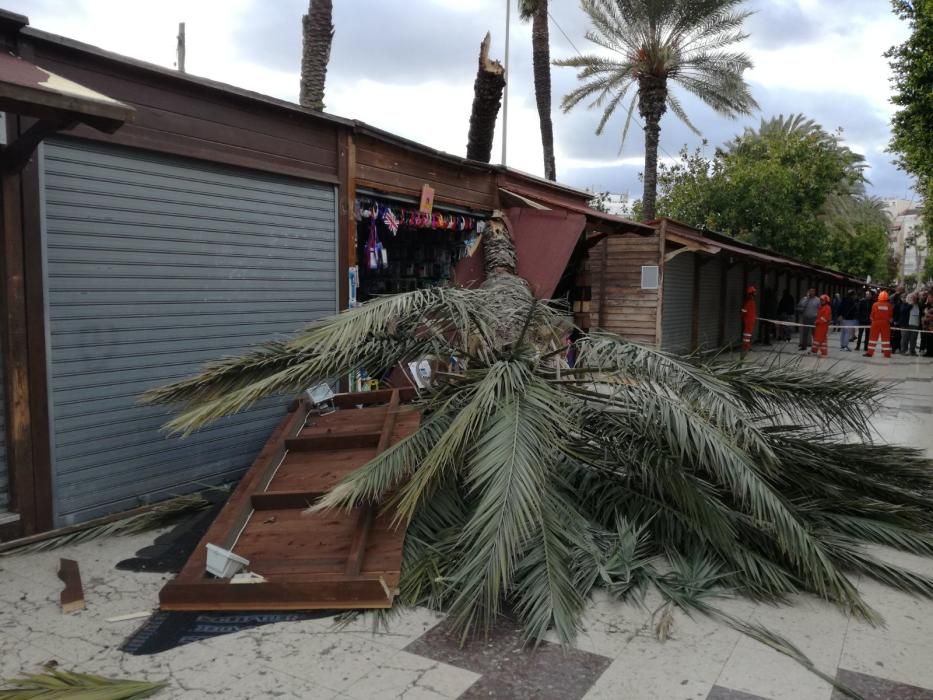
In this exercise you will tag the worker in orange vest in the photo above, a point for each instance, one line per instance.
(821, 329)
(749, 316)
(881, 313)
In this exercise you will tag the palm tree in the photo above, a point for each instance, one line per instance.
(530, 482)
(682, 41)
(537, 12)
(317, 36)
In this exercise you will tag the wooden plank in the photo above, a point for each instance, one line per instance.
(234, 515)
(364, 516)
(276, 500)
(72, 597)
(367, 398)
(331, 442)
(219, 595)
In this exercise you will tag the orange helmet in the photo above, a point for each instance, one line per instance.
(751, 290)
(883, 296)
(825, 299)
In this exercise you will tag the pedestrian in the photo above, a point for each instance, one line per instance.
(864, 318)
(785, 313)
(837, 301)
(896, 301)
(821, 326)
(749, 316)
(910, 311)
(880, 326)
(928, 330)
(848, 318)
(808, 308)
(925, 302)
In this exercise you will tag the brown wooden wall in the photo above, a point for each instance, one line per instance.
(385, 166)
(177, 116)
(619, 303)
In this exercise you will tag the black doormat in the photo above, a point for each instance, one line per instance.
(170, 550)
(167, 630)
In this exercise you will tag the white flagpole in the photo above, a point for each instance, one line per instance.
(505, 96)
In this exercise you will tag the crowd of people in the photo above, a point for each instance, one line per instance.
(897, 320)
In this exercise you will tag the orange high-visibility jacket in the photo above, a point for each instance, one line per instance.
(881, 313)
(749, 315)
(823, 318)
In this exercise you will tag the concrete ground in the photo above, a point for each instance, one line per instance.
(617, 655)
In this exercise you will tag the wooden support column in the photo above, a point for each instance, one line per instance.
(662, 265)
(33, 255)
(346, 222)
(15, 349)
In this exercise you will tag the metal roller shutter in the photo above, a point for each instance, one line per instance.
(735, 296)
(155, 266)
(710, 304)
(4, 476)
(677, 318)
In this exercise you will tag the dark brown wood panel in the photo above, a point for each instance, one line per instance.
(182, 118)
(292, 547)
(624, 307)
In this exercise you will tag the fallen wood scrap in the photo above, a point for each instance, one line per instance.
(72, 597)
(306, 561)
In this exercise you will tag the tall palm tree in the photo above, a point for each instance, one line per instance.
(537, 12)
(530, 482)
(317, 36)
(657, 42)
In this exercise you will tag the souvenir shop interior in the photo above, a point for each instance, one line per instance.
(401, 249)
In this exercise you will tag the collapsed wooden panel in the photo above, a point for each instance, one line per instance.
(329, 560)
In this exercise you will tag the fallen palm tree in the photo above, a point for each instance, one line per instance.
(533, 480)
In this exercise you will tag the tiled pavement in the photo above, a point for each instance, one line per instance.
(617, 656)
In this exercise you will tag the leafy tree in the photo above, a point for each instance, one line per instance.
(531, 482)
(789, 186)
(657, 43)
(537, 12)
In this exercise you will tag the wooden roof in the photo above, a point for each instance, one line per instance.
(330, 560)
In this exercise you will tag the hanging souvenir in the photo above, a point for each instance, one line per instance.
(390, 221)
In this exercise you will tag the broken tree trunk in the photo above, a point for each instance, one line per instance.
(487, 99)
(317, 35)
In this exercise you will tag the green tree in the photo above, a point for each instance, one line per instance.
(658, 43)
(537, 12)
(789, 186)
(530, 482)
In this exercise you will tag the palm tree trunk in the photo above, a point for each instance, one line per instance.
(317, 35)
(652, 103)
(487, 99)
(541, 58)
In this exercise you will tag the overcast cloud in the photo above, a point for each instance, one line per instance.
(408, 66)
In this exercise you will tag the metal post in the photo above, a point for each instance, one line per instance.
(505, 95)
(181, 47)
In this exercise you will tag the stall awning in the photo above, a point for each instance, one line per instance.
(55, 102)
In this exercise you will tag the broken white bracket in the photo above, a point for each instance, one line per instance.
(224, 563)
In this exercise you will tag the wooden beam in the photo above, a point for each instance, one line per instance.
(366, 513)
(723, 284)
(332, 442)
(33, 257)
(15, 349)
(282, 500)
(346, 222)
(221, 595)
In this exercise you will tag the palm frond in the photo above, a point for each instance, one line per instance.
(69, 685)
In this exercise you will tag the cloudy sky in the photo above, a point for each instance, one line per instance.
(408, 66)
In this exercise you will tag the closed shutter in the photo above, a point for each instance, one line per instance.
(677, 311)
(710, 303)
(155, 266)
(4, 474)
(735, 296)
